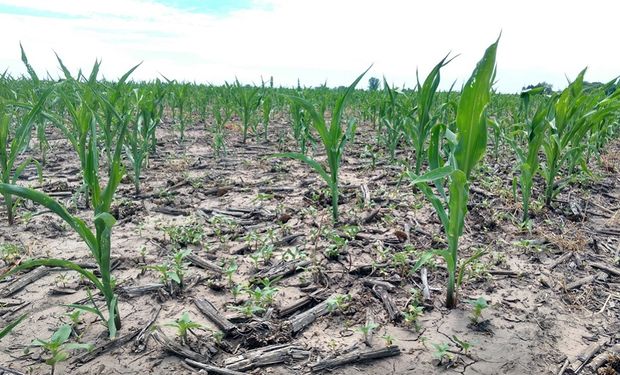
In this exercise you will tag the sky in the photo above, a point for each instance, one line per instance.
(315, 41)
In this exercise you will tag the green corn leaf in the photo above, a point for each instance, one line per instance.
(463, 267)
(334, 128)
(6, 330)
(312, 163)
(470, 119)
(436, 203)
(58, 263)
(112, 317)
(458, 203)
(43, 199)
(66, 71)
(432, 175)
(89, 309)
(434, 153)
(29, 69)
(317, 120)
(78, 346)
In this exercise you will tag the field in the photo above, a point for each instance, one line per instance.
(164, 227)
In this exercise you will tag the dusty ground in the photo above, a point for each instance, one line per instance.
(534, 323)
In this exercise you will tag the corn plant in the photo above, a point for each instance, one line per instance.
(333, 138)
(12, 145)
(180, 102)
(423, 117)
(604, 130)
(141, 132)
(160, 92)
(221, 114)
(534, 129)
(115, 110)
(98, 243)
(300, 121)
(267, 107)
(468, 148)
(248, 101)
(393, 120)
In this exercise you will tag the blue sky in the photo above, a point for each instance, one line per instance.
(221, 7)
(213, 7)
(314, 40)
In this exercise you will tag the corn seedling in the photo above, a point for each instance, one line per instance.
(221, 115)
(467, 149)
(267, 106)
(40, 123)
(424, 119)
(535, 129)
(98, 243)
(141, 133)
(180, 100)
(392, 120)
(248, 101)
(300, 121)
(367, 329)
(333, 139)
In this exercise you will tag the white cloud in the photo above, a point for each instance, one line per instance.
(318, 40)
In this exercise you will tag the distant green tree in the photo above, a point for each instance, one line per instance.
(547, 87)
(373, 84)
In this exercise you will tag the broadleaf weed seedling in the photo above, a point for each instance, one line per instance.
(57, 347)
(478, 306)
(184, 325)
(441, 352)
(339, 302)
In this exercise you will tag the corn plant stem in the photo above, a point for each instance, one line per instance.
(419, 157)
(550, 181)
(451, 299)
(8, 201)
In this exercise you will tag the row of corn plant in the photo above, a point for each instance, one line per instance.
(82, 105)
(574, 113)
